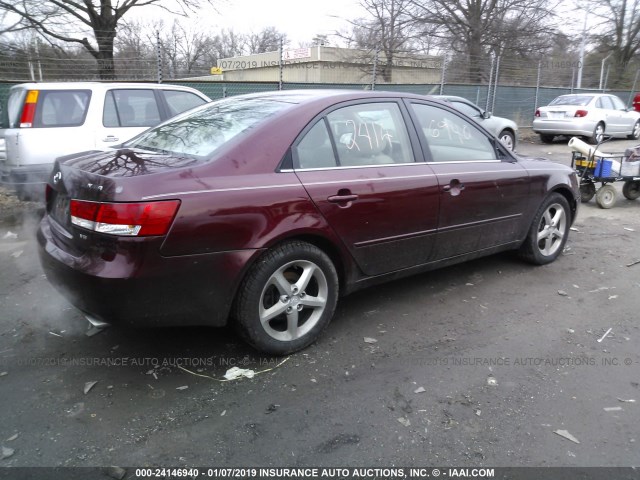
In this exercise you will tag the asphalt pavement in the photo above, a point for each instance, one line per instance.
(487, 363)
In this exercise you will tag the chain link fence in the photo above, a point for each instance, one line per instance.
(508, 87)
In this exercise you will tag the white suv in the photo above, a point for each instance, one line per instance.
(47, 120)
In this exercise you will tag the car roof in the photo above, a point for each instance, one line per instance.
(96, 86)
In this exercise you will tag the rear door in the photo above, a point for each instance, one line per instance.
(126, 113)
(358, 165)
(483, 197)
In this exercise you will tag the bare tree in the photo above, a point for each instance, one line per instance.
(54, 19)
(479, 27)
(387, 31)
(620, 22)
(266, 40)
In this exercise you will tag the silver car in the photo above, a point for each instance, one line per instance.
(506, 130)
(51, 119)
(591, 115)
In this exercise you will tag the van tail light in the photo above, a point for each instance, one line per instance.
(537, 114)
(581, 113)
(29, 109)
(138, 219)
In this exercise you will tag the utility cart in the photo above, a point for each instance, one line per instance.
(607, 169)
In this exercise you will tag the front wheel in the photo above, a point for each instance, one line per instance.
(587, 191)
(287, 298)
(508, 139)
(606, 196)
(631, 189)
(548, 232)
(635, 133)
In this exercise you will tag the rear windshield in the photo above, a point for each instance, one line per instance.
(573, 100)
(201, 132)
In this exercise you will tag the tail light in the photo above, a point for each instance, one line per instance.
(537, 112)
(139, 219)
(29, 109)
(581, 113)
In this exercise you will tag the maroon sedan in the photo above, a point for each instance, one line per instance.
(261, 210)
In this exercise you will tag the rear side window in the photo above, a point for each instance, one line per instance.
(370, 134)
(315, 149)
(179, 101)
(61, 108)
(130, 108)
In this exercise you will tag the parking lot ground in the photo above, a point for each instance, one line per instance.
(473, 365)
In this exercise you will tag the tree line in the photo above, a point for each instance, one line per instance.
(469, 33)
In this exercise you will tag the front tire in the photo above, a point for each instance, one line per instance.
(635, 133)
(287, 298)
(587, 191)
(606, 196)
(508, 139)
(548, 232)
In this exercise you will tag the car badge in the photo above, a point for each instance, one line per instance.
(57, 177)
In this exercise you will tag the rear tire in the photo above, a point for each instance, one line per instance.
(547, 138)
(598, 134)
(587, 191)
(631, 189)
(548, 232)
(286, 298)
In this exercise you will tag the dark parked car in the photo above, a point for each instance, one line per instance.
(261, 210)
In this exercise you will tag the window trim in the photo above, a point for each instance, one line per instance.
(416, 150)
(502, 155)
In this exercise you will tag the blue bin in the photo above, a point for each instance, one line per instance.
(603, 169)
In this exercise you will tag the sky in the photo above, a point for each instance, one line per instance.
(299, 20)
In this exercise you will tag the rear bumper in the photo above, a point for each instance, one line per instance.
(564, 127)
(29, 180)
(133, 284)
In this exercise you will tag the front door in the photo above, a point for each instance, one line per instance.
(482, 197)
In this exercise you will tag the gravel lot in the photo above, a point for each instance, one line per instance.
(473, 365)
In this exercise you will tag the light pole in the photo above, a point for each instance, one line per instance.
(602, 69)
(582, 45)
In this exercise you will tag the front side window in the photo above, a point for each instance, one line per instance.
(130, 108)
(202, 131)
(451, 138)
(61, 108)
(370, 134)
(467, 109)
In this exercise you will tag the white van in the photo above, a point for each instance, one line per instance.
(46, 120)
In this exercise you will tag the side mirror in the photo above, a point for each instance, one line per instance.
(486, 115)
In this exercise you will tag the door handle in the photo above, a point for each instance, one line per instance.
(110, 138)
(342, 198)
(454, 188)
